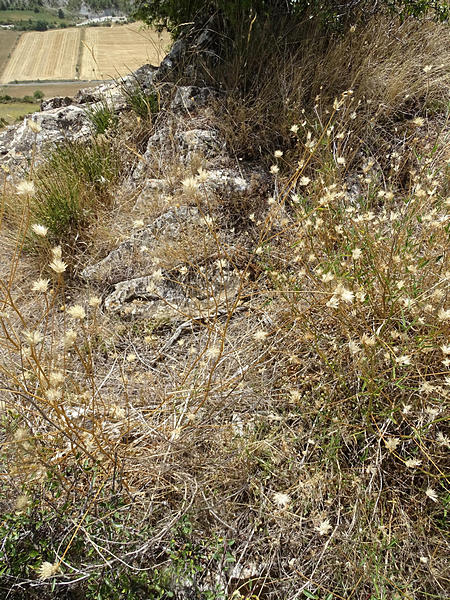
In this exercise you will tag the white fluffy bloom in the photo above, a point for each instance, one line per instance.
(76, 312)
(282, 500)
(25, 188)
(324, 527)
(40, 230)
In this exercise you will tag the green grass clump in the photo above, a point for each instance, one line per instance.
(74, 183)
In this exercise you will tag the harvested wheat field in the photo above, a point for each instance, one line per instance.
(8, 39)
(119, 50)
(44, 55)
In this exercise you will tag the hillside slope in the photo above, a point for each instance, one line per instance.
(224, 347)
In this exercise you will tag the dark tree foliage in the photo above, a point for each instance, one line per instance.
(178, 14)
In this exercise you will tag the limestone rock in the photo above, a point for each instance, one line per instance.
(64, 123)
(128, 261)
(190, 97)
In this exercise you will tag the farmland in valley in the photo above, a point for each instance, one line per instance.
(83, 54)
(8, 40)
(44, 55)
(109, 52)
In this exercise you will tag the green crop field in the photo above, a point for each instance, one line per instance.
(11, 17)
(11, 111)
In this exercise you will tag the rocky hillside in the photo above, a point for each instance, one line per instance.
(225, 372)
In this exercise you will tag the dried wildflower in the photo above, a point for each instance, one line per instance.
(57, 252)
(294, 128)
(137, 223)
(53, 395)
(403, 360)
(274, 169)
(442, 439)
(368, 340)
(47, 570)
(69, 338)
(22, 502)
(40, 230)
(346, 295)
(445, 349)
(341, 160)
(190, 184)
(213, 351)
(278, 153)
(333, 302)
(76, 312)
(391, 443)
(418, 122)
(427, 68)
(33, 126)
(354, 347)
(356, 254)
(56, 378)
(131, 357)
(202, 175)
(282, 500)
(94, 301)
(304, 181)
(40, 285)
(33, 337)
(412, 463)
(431, 494)
(25, 188)
(324, 527)
(327, 277)
(260, 335)
(58, 265)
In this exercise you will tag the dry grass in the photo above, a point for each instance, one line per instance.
(292, 440)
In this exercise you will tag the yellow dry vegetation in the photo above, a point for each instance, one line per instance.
(44, 55)
(117, 51)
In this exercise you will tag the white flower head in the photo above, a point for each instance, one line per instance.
(260, 335)
(278, 153)
(40, 285)
(282, 500)
(76, 312)
(431, 494)
(33, 337)
(39, 230)
(324, 527)
(274, 169)
(47, 570)
(33, 126)
(25, 188)
(58, 265)
(411, 463)
(391, 443)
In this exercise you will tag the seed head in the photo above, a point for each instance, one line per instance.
(47, 570)
(39, 230)
(58, 265)
(25, 188)
(40, 285)
(76, 312)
